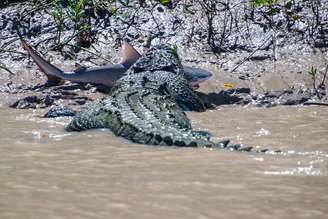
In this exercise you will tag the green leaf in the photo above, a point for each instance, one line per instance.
(289, 5)
(296, 17)
(174, 49)
(187, 9)
(113, 11)
(273, 11)
(312, 72)
(126, 15)
(260, 3)
(165, 2)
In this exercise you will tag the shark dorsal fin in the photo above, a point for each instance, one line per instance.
(129, 53)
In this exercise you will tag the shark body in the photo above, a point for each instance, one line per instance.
(105, 75)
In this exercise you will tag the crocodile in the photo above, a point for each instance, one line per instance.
(105, 75)
(147, 105)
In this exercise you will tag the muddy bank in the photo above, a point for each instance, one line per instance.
(268, 58)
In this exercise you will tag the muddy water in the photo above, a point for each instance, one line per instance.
(48, 173)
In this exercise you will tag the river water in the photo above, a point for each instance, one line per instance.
(48, 173)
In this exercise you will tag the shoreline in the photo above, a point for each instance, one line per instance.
(262, 67)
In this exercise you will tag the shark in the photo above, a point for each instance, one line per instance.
(105, 75)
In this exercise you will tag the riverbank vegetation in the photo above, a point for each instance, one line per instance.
(219, 25)
(236, 33)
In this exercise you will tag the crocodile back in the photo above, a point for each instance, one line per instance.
(148, 116)
(146, 105)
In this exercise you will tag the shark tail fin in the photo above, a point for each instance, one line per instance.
(48, 69)
(129, 53)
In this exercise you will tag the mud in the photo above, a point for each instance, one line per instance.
(261, 55)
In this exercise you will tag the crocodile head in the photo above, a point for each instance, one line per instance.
(158, 58)
(165, 58)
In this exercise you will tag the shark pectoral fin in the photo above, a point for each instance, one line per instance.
(129, 54)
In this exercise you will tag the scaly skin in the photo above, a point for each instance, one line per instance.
(144, 113)
(146, 105)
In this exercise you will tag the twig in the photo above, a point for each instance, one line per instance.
(15, 38)
(91, 52)
(11, 51)
(62, 44)
(315, 104)
(2, 66)
(247, 58)
(34, 9)
(44, 40)
(324, 77)
(153, 17)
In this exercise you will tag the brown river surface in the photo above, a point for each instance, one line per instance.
(47, 173)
